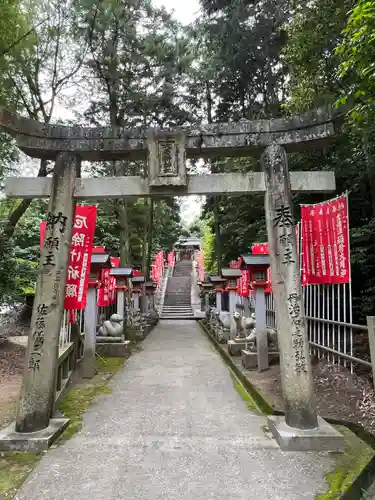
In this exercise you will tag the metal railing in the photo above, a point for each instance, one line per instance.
(332, 339)
(66, 327)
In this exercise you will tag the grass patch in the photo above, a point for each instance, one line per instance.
(14, 469)
(348, 465)
(250, 403)
(78, 399)
(259, 401)
(16, 466)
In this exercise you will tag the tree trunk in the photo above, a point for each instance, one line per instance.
(122, 213)
(119, 169)
(150, 238)
(217, 235)
(16, 214)
(146, 229)
(370, 169)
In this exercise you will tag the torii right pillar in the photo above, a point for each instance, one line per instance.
(301, 429)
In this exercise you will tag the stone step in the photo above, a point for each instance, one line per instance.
(182, 318)
(178, 309)
(181, 306)
(177, 314)
(178, 304)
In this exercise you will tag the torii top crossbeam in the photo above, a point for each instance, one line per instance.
(166, 152)
(38, 140)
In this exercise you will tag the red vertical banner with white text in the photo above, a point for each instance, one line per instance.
(115, 262)
(244, 283)
(171, 258)
(80, 257)
(325, 242)
(158, 266)
(104, 290)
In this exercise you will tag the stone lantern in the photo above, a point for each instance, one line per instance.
(218, 284)
(150, 288)
(99, 261)
(231, 275)
(138, 286)
(206, 288)
(122, 275)
(258, 266)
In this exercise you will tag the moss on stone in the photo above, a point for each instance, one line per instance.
(348, 465)
(80, 398)
(16, 466)
(250, 403)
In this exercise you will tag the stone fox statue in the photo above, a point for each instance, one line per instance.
(112, 327)
(246, 328)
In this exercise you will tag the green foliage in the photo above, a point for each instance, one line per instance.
(310, 54)
(357, 54)
(208, 245)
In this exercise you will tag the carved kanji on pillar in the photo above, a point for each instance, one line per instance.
(167, 160)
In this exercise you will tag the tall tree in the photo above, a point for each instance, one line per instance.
(36, 75)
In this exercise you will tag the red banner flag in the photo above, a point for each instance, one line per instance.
(43, 226)
(325, 242)
(103, 296)
(244, 283)
(157, 269)
(171, 258)
(115, 261)
(260, 248)
(80, 257)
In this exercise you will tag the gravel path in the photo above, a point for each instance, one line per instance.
(174, 428)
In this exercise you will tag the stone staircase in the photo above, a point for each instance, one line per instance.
(177, 300)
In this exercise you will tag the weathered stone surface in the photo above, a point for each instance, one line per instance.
(235, 348)
(323, 438)
(132, 187)
(10, 440)
(114, 349)
(88, 369)
(295, 366)
(38, 383)
(250, 359)
(103, 143)
(167, 159)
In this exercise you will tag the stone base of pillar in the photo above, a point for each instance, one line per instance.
(114, 349)
(235, 347)
(324, 438)
(250, 359)
(10, 440)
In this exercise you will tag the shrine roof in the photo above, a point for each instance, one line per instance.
(255, 260)
(216, 279)
(101, 260)
(122, 271)
(231, 273)
(138, 279)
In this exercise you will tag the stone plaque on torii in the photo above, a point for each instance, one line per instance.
(166, 152)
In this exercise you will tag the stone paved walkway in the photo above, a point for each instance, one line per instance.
(174, 428)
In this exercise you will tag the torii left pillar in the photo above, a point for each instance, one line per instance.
(38, 384)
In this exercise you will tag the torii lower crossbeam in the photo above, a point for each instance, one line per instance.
(131, 186)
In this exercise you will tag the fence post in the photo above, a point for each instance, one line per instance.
(371, 341)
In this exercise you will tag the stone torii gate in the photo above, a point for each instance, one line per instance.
(166, 152)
